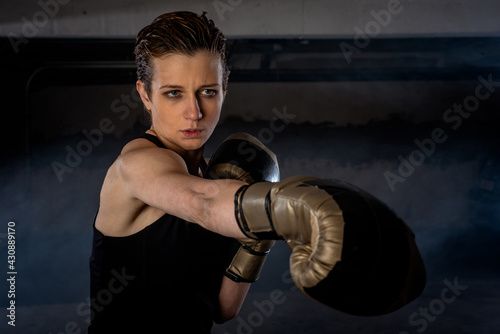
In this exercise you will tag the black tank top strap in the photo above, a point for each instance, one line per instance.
(153, 139)
(203, 166)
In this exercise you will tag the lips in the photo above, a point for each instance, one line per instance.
(191, 133)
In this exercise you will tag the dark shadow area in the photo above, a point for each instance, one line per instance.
(79, 109)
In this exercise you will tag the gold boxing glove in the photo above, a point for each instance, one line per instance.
(349, 250)
(248, 261)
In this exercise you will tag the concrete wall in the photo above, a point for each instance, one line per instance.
(255, 18)
(54, 215)
(354, 131)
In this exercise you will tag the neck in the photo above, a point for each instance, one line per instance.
(191, 158)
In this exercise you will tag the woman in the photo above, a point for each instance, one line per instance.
(150, 268)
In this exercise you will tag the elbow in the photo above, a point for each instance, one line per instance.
(226, 316)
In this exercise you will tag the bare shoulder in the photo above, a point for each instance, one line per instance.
(140, 162)
(141, 155)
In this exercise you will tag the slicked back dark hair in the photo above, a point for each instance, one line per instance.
(178, 32)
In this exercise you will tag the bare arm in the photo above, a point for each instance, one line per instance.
(159, 178)
(231, 298)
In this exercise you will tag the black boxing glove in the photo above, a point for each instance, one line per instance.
(349, 250)
(243, 157)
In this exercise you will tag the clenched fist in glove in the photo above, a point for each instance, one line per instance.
(349, 250)
(244, 158)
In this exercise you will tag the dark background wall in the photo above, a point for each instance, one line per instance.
(358, 121)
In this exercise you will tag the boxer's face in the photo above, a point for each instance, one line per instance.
(186, 98)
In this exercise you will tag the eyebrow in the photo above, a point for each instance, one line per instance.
(178, 86)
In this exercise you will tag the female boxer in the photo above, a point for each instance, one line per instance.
(151, 267)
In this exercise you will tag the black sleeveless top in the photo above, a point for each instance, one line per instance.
(162, 279)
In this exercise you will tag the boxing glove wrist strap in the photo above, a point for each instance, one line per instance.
(254, 252)
(249, 260)
(252, 211)
(236, 278)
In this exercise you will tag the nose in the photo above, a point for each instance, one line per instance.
(192, 111)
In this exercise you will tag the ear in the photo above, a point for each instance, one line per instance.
(225, 91)
(144, 95)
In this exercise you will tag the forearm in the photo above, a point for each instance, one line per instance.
(231, 298)
(214, 207)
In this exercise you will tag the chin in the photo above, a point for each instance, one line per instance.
(193, 144)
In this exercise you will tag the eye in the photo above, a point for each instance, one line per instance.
(209, 92)
(173, 93)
